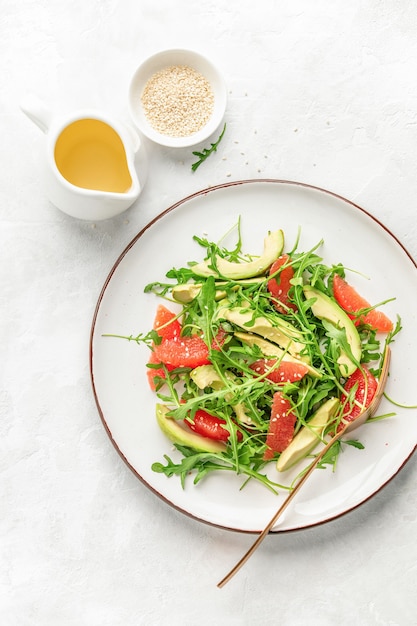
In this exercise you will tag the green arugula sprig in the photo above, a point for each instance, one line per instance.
(332, 455)
(202, 463)
(202, 156)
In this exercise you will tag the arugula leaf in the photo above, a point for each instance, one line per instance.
(202, 156)
(332, 455)
(202, 463)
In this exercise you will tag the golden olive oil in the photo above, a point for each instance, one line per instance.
(90, 154)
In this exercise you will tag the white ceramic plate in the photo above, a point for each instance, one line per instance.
(127, 406)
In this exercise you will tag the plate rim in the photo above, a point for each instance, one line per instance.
(120, 257)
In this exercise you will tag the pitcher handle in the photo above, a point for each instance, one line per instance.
(36, 111)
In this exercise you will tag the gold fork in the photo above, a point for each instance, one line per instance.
(360, 419)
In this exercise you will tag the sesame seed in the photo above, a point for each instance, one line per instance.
(178, 101)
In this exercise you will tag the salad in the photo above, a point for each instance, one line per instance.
(256, 359)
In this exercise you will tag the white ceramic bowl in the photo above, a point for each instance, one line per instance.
(160, 61)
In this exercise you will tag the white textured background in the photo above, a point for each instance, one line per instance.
(321, 92)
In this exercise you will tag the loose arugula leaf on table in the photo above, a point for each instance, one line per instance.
(202, 156)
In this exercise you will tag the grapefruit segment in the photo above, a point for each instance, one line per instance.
(165, 323)
(183, 352)
(352, 302)
(154, 372)
(281, 426)
(285, 372)
(364, 385)
(211, 426)
(279, 285)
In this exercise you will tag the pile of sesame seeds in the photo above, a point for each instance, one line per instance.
(178, 101)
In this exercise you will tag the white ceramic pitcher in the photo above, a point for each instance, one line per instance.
(89, 169)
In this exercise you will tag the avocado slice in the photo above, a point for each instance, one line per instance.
(189, 291)
(177, 434)
(206, 376)
(185, 293)
(309, 436)
(281, 332)
(326, 309)
(270, 349)
(273, 246)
